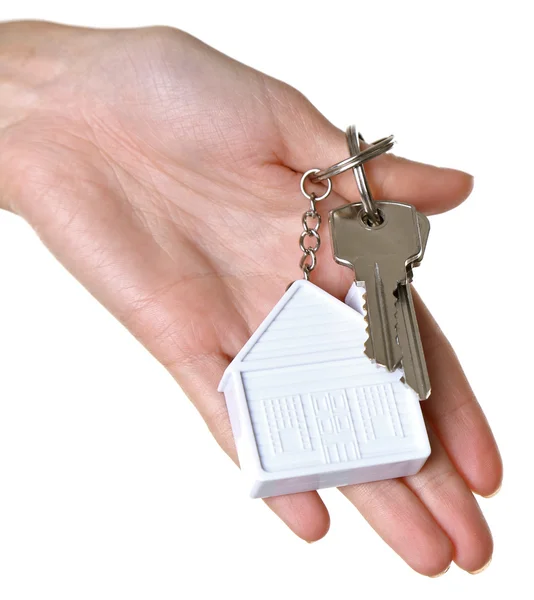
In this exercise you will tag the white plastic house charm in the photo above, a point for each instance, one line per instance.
(309, 410)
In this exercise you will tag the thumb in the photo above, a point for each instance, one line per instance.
(310, 141)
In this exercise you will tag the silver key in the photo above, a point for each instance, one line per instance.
(380, 257)
(413, 358)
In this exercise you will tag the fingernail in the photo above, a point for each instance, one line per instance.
(495, 492)
(483, 568)
(440, 574)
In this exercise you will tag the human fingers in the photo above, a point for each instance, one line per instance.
(311, 141)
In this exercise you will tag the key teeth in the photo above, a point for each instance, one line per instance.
(368, 339)
(366, 319)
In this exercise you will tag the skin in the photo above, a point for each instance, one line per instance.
(165, 176)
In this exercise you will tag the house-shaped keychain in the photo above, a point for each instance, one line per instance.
(309, 410)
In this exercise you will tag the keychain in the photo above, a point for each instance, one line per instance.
(337, 403)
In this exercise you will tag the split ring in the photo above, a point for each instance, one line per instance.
(372, 151)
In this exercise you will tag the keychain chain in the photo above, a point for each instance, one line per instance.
(310, 233)
(308, 262)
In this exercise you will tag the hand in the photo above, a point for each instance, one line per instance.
(165, 177)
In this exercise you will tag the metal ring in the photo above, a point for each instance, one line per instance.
(302, 264)
(372, 151)
(369, 205)
(311, 233)
(311, 214)
(312, 196)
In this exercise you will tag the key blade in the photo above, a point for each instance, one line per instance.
(380, 306)
(369, 347)
(413, 358)
(382, 314)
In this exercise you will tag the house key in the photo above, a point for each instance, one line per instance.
(380, 256)
(408, 337)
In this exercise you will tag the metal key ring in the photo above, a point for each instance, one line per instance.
(372, 151)
(369, 205)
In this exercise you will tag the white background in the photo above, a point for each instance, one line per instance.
(110, 485)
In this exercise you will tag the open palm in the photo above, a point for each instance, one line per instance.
(165, 177)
